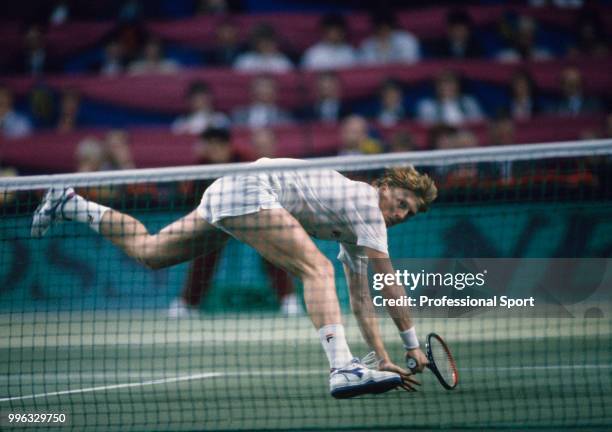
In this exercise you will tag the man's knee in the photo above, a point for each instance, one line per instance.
(318, 268)
(150, 262)
(148, 255)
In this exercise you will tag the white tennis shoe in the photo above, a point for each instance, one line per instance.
(49, 211)
(356, 379)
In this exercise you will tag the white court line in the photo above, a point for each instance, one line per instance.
(541, 367)
(274, 373)
(114, 386)
(160, 381)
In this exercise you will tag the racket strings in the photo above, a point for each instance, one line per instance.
(444, 362)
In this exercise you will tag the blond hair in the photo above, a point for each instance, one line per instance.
(409, 178)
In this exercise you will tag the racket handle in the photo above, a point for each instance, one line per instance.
(411, 364)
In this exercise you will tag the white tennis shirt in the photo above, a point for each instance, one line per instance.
(328, 205)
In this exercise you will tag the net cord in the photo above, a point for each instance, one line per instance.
(339, 163)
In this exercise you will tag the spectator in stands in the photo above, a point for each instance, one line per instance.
(112, 153)
(42, 106)
(389, 44)
(263, 141)
(465, 139)
(392, 108)
(328, 106)
(60, 12)
(12, 124)
(113, 62)
(117, 145)
(212, 7)
(35, 60)
(265, 55)
(444, 137)
(591, 38)
(523, 103)
(332, 51)
(201, 112)
(70, 106)
(227, 47)
(90, 155)
(263, 110)
(465, 172)
(449, 106)
(574, 101)
(130, 38)
(521, 38)
(441, 137)
(355, 138)
(215, 147)
(130, 11)
(459, 42)
(152, 60)
(402, 141)
(501, 131)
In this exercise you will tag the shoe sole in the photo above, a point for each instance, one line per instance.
(371, 387)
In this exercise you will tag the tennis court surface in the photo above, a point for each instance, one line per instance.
(140, 371)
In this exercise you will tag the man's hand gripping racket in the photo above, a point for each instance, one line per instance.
(409, 382)
(438, 359)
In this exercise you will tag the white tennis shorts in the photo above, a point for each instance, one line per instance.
(239, 195)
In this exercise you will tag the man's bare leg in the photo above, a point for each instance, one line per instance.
(280, 239)
(178, 242)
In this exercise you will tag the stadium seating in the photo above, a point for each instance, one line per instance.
(155, 147)
(230, 90)
(147, 104)
(297, 30)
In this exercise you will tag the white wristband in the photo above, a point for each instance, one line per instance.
(410, 338)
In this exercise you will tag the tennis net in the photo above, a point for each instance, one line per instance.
(222, 342)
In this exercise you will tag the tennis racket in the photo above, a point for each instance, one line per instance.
(441, 362)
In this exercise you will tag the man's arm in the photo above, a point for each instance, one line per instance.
(363, 309)
(381, 263)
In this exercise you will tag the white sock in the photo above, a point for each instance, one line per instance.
(335, 346)
(79, 209)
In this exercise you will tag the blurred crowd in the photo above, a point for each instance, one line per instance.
(131, 49)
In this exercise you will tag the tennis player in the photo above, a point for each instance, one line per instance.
(276, 212)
